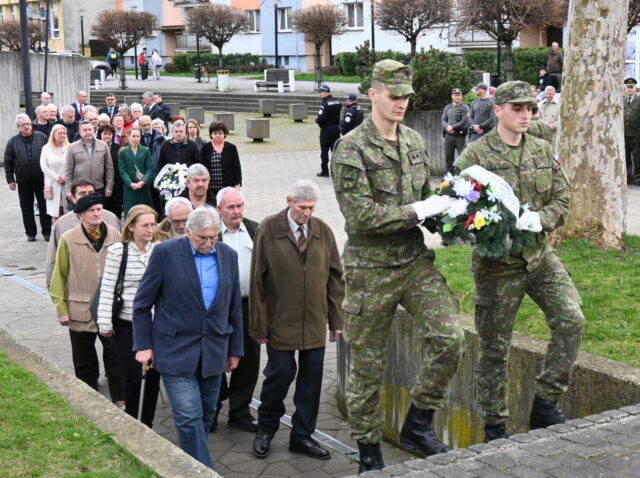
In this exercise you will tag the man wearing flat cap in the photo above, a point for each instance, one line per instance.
(80, 259)
(381, 178)
(632, 130)
(481, 117)
(527, 164)
(455, 124)
(329, 121)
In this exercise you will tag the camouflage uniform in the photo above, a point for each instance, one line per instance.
(537, 179)
(540, 129)
(387, 264)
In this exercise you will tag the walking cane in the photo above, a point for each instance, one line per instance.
(143, 383)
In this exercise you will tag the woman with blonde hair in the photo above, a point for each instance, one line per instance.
(137, 237)
(53, 163)
(193, 131)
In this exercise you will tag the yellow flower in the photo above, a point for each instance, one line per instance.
(443, 185)
(479, 221)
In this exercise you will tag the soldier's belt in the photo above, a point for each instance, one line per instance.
(386, 240)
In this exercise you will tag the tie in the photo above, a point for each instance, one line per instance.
(630, 98)
(110, 112)
(302, 242)
(80, 110)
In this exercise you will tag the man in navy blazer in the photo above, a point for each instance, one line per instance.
(195, 334)
(80, 104)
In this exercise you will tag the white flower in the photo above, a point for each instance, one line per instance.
(492, 214)
(448, 178)
(462, 187)
(492, 196)
(457, 208)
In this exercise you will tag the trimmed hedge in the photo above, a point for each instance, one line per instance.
(184, 62)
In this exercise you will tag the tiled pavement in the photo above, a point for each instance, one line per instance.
(606, 443)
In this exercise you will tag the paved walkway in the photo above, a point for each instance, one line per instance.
(269, 169)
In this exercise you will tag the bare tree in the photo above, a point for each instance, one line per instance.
(319, 23)
(633, 19)
(123, 30)
(591, 138)
(218, 24)
(503, 20)
(412, 18)
(10, 35)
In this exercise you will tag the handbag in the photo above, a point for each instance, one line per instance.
(118, 299)
(48, 193)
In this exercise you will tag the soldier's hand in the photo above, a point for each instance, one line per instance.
(529, 221)
(432, 206)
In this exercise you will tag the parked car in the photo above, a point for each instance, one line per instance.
(95, 64)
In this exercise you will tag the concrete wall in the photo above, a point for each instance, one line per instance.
(66, 76)
(427, 123)
(597, 384)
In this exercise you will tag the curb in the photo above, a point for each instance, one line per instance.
(154, 451)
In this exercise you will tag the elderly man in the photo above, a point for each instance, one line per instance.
(549, 111)
(198, 192)
(89, 158)
(239, 233)
(91, 116)
(70, 220)
(42, 122)
(174, 225)
(125, 111)
(631, 109)
(68, 120)
(121, 135)
(136, 111)
(555, 62)
(52, 113)
(150, 107)
(23, 172)
(80, 104)
(194, 334)
(110, 108)
(148, 134)
(178, 149)
(80, 260)
(296, 289)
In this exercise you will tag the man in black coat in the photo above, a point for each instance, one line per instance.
(23, 172)
(178, 149)
(329, 121)
(353, 115)
(110, 108)
(151, 108)
(68, 120)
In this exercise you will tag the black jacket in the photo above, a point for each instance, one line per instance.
(188, 154)
(155, 111)
(43, 128)
(352, 118)
(72, 129)
(231, 170)
(105, 110)
(17, 166)
(329, 114)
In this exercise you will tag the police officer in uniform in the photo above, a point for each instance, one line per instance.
(329, 121)
(632, 130)
(527, 164)
(353, 115)
(381, 178)
(455, 123)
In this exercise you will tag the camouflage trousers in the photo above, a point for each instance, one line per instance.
(372, 297)
(499, 292)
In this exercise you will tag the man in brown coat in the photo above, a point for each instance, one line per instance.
(296, 288)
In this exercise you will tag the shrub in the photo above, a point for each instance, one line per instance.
(169, 68)
(527, 62)
(365, 59)
(435, 73)
(347, 63)
(331, 70)
(184, 62)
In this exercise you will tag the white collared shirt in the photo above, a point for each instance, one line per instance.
(240, 241)
(293, 225)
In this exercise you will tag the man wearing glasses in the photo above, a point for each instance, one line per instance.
(22, 171)
(631, 130)
(174, 225)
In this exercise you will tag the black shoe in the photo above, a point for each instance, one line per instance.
(31, 238)
(308, 446)
(214, 425)
(545, 413)
(246, 423)
(47, 237)
(262, 444)
(322, 174)
(417, 434)
(370, 457)
(494, 431)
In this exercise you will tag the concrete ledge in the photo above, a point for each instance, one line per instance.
(165, 458)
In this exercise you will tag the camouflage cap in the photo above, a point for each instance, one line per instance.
(513, 92)
(396, 77)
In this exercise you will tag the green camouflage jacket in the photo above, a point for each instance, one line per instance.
(374, 184)
(540, 129)
(536, 178)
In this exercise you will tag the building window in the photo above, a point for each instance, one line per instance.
(254, 20)
(14, 12)
(284, 19)
(353, 12)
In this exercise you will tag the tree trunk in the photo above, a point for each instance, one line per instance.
(413, 43)
(508, 61)
(317, 65)
(591, 142)
(220, 56)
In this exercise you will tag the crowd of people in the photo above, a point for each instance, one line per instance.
(186, 290)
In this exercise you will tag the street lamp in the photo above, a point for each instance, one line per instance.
(26, 65)
(81, 12)
(275, 27)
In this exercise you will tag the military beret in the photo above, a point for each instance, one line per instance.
(85, 202)
(398, 78)
(630, 81)
(513, 92)
(325, 88)
(456, 90)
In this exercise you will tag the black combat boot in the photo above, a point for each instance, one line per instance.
(494, 431)
(370, 457)
(545, 413)
(418, 435)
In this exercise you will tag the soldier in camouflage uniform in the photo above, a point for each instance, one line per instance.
(528, 165)
(539, 127)
(381, 177)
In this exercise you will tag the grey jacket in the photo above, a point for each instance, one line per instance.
(456, 116)
(98, 168)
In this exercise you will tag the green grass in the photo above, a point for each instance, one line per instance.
(608, 282)
(40, 436)
(328, 79)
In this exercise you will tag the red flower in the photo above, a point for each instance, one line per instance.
(469, 221)
(478, 187)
